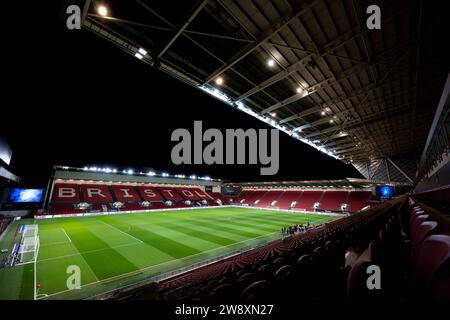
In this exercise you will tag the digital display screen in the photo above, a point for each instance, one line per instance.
(25, 195)
(385, 192)
(230, 190)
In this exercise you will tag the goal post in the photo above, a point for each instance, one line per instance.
(29, 246)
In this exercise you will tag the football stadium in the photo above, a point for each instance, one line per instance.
(318, 167)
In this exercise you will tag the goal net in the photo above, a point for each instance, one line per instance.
(29, 245)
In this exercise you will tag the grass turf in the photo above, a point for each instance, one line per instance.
(116, 250)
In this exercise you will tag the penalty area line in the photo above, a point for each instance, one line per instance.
(125, 233)
(70, 240)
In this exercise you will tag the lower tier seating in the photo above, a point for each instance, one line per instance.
(408, 240)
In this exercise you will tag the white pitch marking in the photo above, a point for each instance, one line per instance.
(70, 240)
(111, 226)
(124, 275)
(89, 251)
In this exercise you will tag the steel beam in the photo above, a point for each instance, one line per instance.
(264, 37)
(188, 21)
(400, 170)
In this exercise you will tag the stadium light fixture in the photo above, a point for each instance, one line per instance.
(193, 177)
(129, 171)
(165, 174)
(273, 114)
(219, 81)
(102, 10)
(151, 173)
(138, 55)
(331, 121)
(271, 63)
(299, 90)
(143, 52)
(322, 113)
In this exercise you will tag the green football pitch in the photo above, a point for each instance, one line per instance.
(113, 251)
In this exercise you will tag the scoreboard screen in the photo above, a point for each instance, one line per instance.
(385, 192)
(25, 195)
(230, 190)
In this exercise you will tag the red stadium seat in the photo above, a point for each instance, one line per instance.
(219, 196)
(268, 198)
(307, 200)
(149, 193)
(65, 192)
(252, 196)
(170, 193)
(287, 198)
(422, 231)
(432, 266)
(358, 200)
(96, 193)
(332, 200)
(193, 194)
(125, 193)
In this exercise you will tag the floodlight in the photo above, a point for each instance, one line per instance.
(273, 114)
(142, 51)
(138, 55)
(299, 90)
(102, 11)
(270, 62)
(219, 81)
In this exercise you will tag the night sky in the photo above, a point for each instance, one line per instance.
(71, 98)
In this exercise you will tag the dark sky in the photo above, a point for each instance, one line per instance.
(71, 98)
